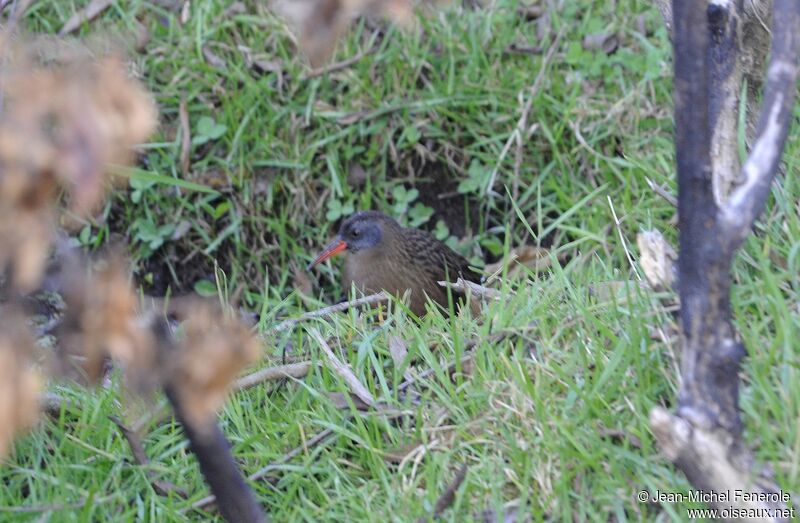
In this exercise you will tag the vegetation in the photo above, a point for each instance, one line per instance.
(551, 412)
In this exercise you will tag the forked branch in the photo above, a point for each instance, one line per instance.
(704, 438)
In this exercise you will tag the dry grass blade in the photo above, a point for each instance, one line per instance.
(622, 239)
(519, 135)
(338, 66)
(661, 191)
(291, 370)
(399, 352)
(343, 370)
(186, 136)
(87, 14)
(326, 434)
(343, 400)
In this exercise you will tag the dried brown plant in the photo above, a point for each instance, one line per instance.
(103, 321)
(211, 350)
(320, 23)
(64, 119)
(20, 382)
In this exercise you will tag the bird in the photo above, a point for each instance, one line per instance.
(382, 255)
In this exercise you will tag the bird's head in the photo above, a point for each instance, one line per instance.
(362, 231)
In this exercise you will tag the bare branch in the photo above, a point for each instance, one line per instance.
(338, 66)
(327, 311)
(704, 438)
(90, 12)
(263, 472)
(291, 370)
(464, 286)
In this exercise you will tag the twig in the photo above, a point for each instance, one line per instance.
(162, 487)
(338, 66)
(523, 49)
(477, 290)
(660, 191)
(291, 370)
(449, 494)
(87, 14)
(327, 311)
(343, 370)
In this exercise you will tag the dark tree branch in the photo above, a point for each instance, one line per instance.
(704, 439)
(234, 498)
(703, 263)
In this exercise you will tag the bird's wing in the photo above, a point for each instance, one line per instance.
(438, 260)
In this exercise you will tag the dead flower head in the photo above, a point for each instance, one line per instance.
(320, 23)
(20, 383)
(102, 321)
(63, 121)
(211, 351)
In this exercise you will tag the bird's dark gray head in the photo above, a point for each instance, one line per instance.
(359, 232)
(365, 230)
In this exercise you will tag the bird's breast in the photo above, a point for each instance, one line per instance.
(371, 274)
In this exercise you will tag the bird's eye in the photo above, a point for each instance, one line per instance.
(355, 233)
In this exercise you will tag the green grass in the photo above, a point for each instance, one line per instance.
(553, 418)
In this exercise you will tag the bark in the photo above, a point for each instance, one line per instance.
(704, 437)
